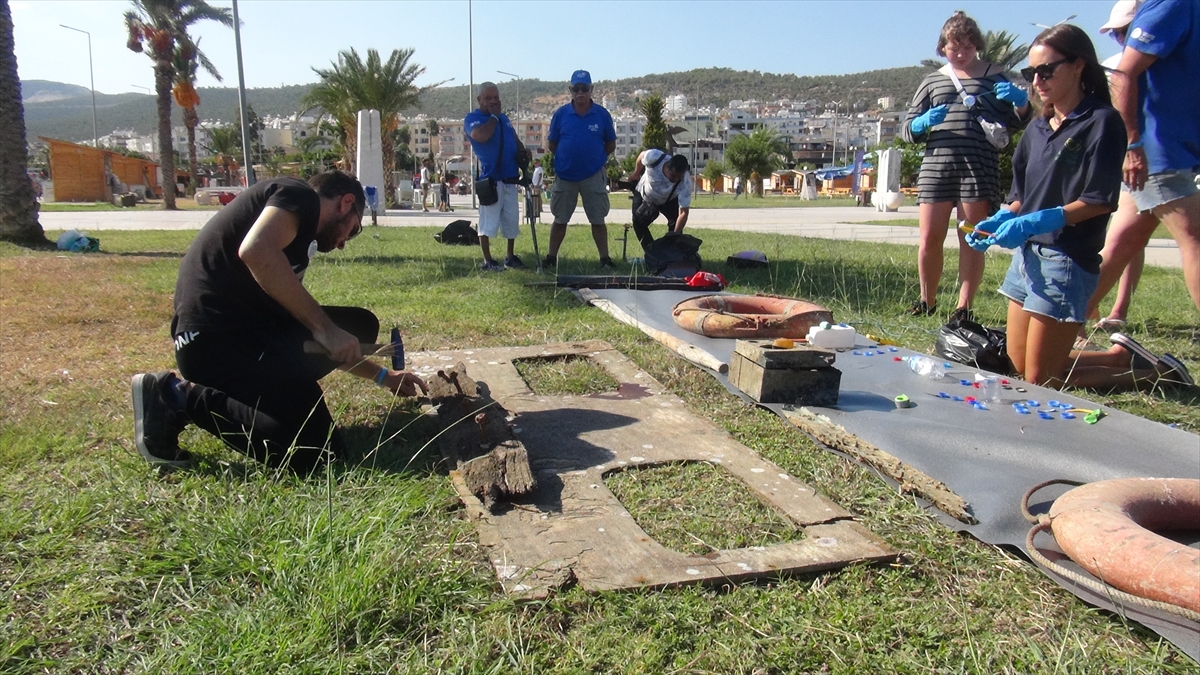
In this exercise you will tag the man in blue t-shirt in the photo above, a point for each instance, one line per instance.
(1151, 90)
(500, 155)
(582, 136)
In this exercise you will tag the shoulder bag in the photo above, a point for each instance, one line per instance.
(995, 132)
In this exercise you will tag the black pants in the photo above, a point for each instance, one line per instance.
(641, 226)
(257, 390)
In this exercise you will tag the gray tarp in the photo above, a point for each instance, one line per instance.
(990, 458)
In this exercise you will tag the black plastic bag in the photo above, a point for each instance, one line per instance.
(458, 232)
(974, 345)
(674, 255)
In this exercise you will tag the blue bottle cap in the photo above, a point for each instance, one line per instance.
(1033, 403)
(1023, 411)
(1068, 416)
(1045, 416)
(1065, 406)
(946, 365)
(893, 349)
(942, 394)
(958, 398)
(856, 353)
(1053, 404)
(965, 383)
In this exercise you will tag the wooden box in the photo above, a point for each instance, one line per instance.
(799, 375)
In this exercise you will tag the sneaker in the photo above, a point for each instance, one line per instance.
(1143, 359)
(961, 314)
(491, 266)
(514, 263)
(550, 262)
(607, 263)
(920, 308)
(156, 425)
(1178, 373)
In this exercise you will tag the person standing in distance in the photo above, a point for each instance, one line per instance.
(582, 136)
(496, 145)
(426, 184)
(536, 185)
(242, 316)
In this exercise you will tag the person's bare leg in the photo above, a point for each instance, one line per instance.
(932, 219)
(1128, 233)
(1016, 331)
(1182, 219)
(1126, 287)
(1110, 369)
(970, 261)
(600, 236)
(558, 231)
(485, 246)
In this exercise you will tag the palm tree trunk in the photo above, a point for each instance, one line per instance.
(389, 167)
(164, 75)
(191, 119)
(18, 203)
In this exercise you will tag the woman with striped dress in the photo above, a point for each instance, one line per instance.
(960, 167)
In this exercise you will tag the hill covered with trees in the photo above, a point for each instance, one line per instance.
(65, 111)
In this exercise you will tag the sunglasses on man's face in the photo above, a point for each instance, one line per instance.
(1044, 71)
(580, 88)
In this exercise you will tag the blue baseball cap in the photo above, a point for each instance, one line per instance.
(581, 77)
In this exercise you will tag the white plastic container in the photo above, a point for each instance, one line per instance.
(828, 336)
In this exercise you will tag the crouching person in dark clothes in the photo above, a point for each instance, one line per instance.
(663, 186)
(241, 319)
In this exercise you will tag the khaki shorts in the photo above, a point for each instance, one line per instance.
(565, 194)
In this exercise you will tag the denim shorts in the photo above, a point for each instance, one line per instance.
(1164, 188)
(1046, 281)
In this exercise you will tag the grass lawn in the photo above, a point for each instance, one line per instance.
(106, 566)
(1160, 232)
(706, 200)
(183, 203)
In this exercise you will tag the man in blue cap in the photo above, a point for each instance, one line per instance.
(582, 136)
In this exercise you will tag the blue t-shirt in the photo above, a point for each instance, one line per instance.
(1168, 96)
(1080, 161)
(581, 140)
(486, 152)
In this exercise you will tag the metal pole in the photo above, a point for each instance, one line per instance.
(92, 77)
(237, 41)
(518, 101)
(470, 93)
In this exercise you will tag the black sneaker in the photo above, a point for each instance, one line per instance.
(156, 425)
(1179, 372)
(514, 263)
(1143, 359)
(920, 308)
(550, 262)
(961, 314)
(607, 263)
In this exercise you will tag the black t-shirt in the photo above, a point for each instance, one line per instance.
(1080, 161)
(215, 290)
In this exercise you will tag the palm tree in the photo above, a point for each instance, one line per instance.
(760, 153)
(18, 204)
(225, 143)
(351, 85)
(188, 58)
(162, 24)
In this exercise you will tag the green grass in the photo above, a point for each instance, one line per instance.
(1160, 232)
(374, 566)
(726, 201)
(90, 207)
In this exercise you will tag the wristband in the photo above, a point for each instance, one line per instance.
(382, 374)
(1134, 146)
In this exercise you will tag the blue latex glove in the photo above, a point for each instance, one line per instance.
(1011, 93)
(1015, 231)
(931, 117)
(978, 239)
(1007, 91)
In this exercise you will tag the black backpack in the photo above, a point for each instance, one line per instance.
(458, 232)
(674, 255)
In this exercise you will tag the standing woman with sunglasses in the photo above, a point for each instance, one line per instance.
(961, 167)
(1066, 181)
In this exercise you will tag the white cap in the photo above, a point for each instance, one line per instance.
(1122, 15)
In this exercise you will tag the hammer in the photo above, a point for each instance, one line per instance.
(367, 349)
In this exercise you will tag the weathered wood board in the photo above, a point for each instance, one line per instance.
(572, 527)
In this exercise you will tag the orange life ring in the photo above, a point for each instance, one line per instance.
(1105, 527)
(749, 316)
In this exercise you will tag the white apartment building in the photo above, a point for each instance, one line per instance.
(629, 135)
(676, 104)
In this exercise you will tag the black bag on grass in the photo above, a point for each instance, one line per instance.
(974, 345)
(674, 255)
(458, 232)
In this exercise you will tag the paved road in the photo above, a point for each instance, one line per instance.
(830, 222)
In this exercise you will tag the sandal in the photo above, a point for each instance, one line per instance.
(1142, 358)
(1178, 373)
(961, 314)
(920, 308)
(1109, 324)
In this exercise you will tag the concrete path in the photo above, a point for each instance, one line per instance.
(829, 222)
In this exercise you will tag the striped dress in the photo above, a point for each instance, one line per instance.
(960, 164)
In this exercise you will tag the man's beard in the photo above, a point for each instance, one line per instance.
(327, 233)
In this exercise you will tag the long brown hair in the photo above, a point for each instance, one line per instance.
(1074, 44)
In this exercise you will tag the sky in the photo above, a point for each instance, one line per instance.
(462, 42)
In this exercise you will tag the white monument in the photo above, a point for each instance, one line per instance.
(888, 196)
(370, 152)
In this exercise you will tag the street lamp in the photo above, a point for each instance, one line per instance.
(148, 89)
(92, 76)
(518, 94)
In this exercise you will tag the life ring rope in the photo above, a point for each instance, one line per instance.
(1042, 523)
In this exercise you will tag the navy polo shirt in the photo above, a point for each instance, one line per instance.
(486, 152)
(1080, 161)
(581, 139)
